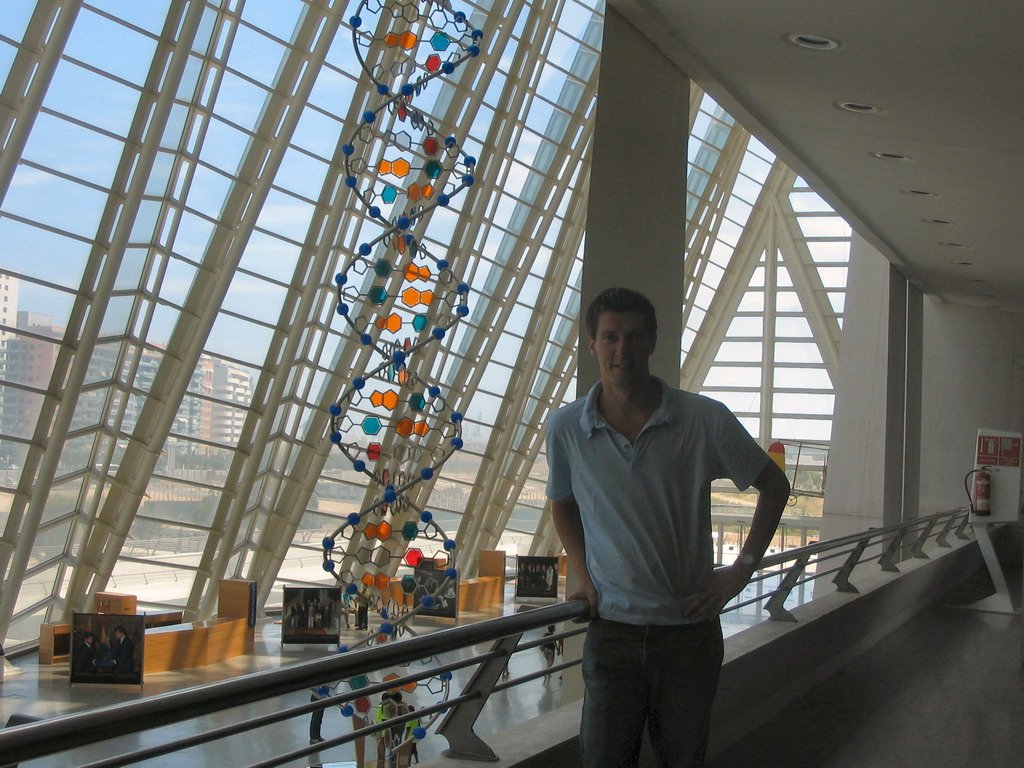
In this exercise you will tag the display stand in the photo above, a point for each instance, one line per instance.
(999, 453)
(999, 602)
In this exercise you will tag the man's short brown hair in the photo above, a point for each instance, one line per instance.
(621, 300)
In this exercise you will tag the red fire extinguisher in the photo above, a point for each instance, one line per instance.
(981, 494)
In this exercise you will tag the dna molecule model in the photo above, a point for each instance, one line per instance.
(400, 300)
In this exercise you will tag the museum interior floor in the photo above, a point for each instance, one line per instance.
(946, 689)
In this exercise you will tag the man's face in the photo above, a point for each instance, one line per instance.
(623, 347)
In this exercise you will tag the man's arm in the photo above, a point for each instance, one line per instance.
(772, 494)
(566, 515)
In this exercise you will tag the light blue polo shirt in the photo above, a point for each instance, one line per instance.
(646, 508)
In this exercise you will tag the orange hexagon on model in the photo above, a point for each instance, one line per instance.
(404, 427)
(400, 167)
(410, 297)
(384, 531)
(381, 581)
(421, 428)
(407, 40)
(413, 272)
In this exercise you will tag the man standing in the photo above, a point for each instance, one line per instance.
(85, 655)
(123, 652)
(630, 472)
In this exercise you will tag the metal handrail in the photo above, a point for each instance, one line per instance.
(790, 568)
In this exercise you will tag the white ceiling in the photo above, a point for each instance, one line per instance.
(948, 79)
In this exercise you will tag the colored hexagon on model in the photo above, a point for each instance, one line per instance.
(433, 62)
(408, 585)
(430, 145)
(440, 41)
(417, 401)
(374, 451)
(381, 581)
(371, 425)
(387, 400)
(432, 168)
(392, 323)
(414, 272)
(409, 532)
(378, 294)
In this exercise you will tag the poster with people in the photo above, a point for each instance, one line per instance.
(536, 576)
(107, 648)
(311, 615)
(428, 582)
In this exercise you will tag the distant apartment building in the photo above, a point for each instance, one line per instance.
(8, 303)
(214, 411)
(232, 383)
(27, 365)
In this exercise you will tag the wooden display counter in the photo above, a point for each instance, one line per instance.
(481, 592)
(182, 646)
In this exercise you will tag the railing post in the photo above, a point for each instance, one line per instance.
(918, 549)
(776, 603)
(457, 726)
(888, 558)
(960, 529)
(940, 540)
(842, 577)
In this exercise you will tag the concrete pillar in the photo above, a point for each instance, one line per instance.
(636, 217)
(637, 208)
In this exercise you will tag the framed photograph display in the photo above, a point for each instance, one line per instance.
(428, 581)
(107, 648)
(536, 576)
(311, 615)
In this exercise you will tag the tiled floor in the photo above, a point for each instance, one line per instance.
(946, 690)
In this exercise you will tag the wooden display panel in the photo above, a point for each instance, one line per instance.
(54, 643)
(115, 602)
(237, 600)
(492, 562)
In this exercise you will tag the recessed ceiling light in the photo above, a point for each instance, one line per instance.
(858, 107)
(891, 156)
(814, 42)
(919, 193)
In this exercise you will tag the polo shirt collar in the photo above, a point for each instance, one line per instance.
(666, 413)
